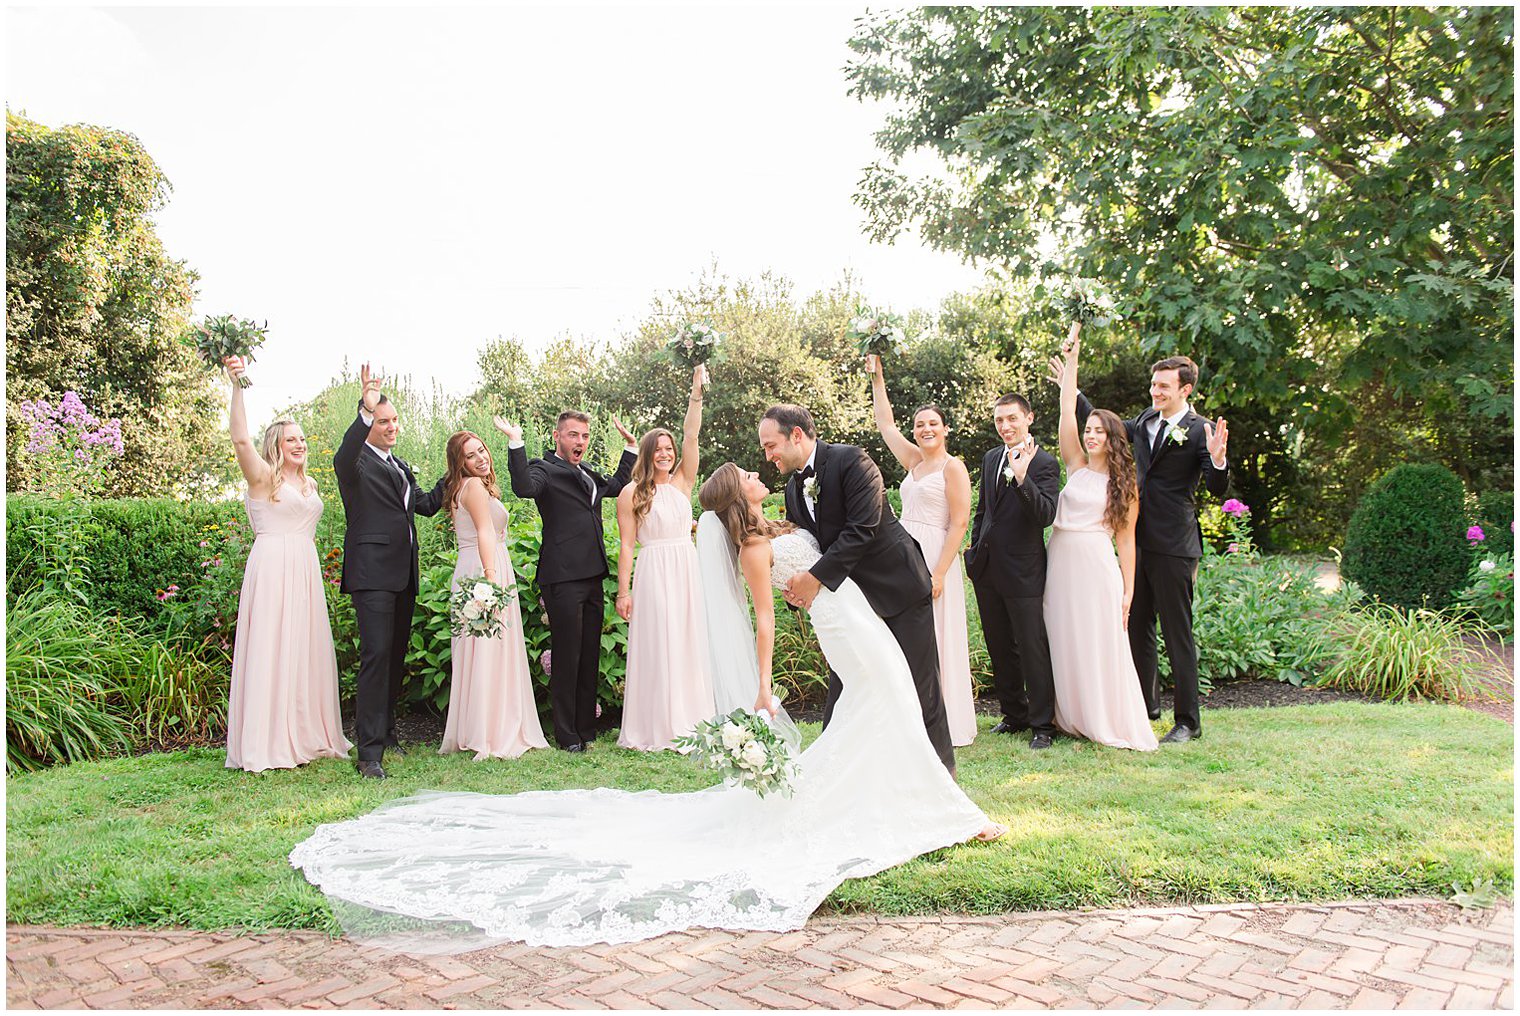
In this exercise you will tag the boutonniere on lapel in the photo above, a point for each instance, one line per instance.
(810, 489)
(1176, 434)
(1007, 471)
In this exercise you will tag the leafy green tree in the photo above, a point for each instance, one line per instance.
(94, 304)
(1311, 202)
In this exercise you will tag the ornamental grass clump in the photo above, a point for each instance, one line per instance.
(1390, 653)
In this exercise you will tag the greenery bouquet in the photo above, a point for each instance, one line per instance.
(1085, 300)
(745, 749)
(478, 609)
(220, 337)
(875, 333)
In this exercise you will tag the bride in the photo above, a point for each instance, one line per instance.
(454, 871)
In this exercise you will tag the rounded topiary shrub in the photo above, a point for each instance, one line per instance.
(1407, 542)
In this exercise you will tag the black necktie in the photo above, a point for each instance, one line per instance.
(1160, 436)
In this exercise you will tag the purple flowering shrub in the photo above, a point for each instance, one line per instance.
(72, 447)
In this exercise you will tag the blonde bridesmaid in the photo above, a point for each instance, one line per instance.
(283, 707)
(936, 509)
(668, 689)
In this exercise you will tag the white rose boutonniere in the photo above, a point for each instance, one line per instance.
(1176, 434)
(810, 489)
(1007, 472)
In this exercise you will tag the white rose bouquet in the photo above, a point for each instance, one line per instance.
(1085, 300)
(478, 608)
(693, 344)
(744, 748)
(872, 332)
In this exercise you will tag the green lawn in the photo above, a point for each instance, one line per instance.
(1308, 803)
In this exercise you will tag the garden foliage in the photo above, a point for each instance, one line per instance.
(1407, 544)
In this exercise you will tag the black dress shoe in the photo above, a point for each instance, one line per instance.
(370, 769)
(1181, 734)
(396, 750)
(1006, 726)
(1039, 742)
(578, 748)
(1154, 714)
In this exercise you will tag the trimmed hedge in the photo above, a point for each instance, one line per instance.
(1407, 541)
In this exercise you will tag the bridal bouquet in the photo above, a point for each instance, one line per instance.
(745, 749)
(875, 333)
(224, 336)
(478, 608)
(693, 344)
(1084, 300)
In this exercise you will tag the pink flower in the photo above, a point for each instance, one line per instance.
(1475, 534)
(544, 661)
(1232, 548)
(1234, 507)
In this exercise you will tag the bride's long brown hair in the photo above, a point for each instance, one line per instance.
(723, 495)
(459, 470)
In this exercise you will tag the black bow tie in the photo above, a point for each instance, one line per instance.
(807, 471)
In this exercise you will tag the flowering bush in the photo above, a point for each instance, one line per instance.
(1490, 592)
(73, 447)
(1238, 523)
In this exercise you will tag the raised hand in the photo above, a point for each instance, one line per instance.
(236, 368)
(873, 365)
(1057, 370)
(1218, 439)
(511, 431)
(1073, 340)
(369, 386)
(699, 378)
(627, 434)
(1024, 455)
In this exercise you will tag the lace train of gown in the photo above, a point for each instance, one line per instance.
(454, 871)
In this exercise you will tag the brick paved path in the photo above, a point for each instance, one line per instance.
(1406, 954)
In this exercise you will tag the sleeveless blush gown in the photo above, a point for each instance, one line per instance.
(491, 708)
(926, 517)
(454, 871)
(668, 689)
(1097, 693)
(283, 707)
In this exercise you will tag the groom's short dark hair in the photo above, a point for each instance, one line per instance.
(571, 414)
(1187, 370)
(788, 416)
(1014, 399)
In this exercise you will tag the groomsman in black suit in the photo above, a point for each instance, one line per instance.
(1006, 561)
(572, 562)
(836, 493)
(380, 497)
(1173, 446)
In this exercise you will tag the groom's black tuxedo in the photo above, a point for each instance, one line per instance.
(1168, 544)
(862, 540)
(380, 498)
(1006, 562)
(572, 562)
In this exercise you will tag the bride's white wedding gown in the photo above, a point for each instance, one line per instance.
(449, 871)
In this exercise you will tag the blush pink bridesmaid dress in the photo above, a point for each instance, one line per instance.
(283, 707)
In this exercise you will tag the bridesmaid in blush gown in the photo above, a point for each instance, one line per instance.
(491, 707)
(282, 710)
(936, 508)
(668, 689)
(1087, 591)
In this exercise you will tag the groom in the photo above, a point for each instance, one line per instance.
(572, 562)
(380, 496)
(1173, 446)
(836, 494)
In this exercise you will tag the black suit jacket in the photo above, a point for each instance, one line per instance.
(380, 542)
(1168, 522)
(573, 535)
(860, 537)
(1008, 531)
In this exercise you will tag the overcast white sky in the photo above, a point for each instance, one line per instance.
(404, 185)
